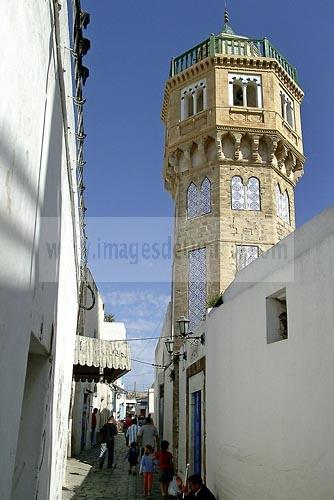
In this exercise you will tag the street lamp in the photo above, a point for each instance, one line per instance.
(183, 323)
(169, 344)
(183, 326)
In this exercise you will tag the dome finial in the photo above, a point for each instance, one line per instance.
(226, 16)
(227, 28)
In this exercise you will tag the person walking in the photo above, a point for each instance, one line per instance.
(127, 424)
(133, 458)
(108, 433)
(93, 426)
(198, 490)
(148, 434)
(147, 469)
(131, 433)
(165, 462)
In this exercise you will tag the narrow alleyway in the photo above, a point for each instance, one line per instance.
(85, 481)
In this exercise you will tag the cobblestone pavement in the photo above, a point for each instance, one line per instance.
(85, 481)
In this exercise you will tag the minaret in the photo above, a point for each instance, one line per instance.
(233, 155)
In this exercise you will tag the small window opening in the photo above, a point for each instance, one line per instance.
(251, 96)
(277, 317)
(289, 114)
(200, 101)
(238, 96)
(189, 105)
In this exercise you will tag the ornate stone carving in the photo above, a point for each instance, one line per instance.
(255, 147)
(237, 153)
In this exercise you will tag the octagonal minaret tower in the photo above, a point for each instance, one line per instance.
(233, 156)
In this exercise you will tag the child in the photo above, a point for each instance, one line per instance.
(147, 469)
(165, 462)
(133, 458)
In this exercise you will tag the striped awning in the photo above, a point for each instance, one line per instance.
(97, 360)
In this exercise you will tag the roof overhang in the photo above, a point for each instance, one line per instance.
(97, 360)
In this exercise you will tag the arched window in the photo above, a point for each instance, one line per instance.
(193, 99)
(205, 194)
(253, 194)
(238, 95)
(200, 99)
(246, 197)
(285, 208)
(252, 95)
(245, 90)
(245, 255)
(238, 193)
(289, 114)
(189, 105)
(192, 201)
(287, 109)
(282, 205)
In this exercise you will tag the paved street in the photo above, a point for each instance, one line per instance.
(85, 481)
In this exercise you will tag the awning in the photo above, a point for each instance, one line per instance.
(97, 360)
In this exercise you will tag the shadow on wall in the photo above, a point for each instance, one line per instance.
(28, 307)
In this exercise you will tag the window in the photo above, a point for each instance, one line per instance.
(277, 317)
(192, 201)
(245, 255)
(199, 200)
(205, 196)
(282, 205)
(287, 109)
(245, 90)
(193, 99)
(245, 197)
(197, 286)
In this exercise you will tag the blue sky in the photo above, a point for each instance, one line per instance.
(131, 46)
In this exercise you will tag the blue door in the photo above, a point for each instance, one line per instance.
(197, 432)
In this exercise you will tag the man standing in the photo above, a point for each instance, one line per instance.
(108, 433)
(148, 434)
(93, 426)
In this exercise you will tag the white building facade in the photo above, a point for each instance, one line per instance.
(270, 373)
(40, 250)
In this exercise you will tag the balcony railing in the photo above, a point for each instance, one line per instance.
(230, 46)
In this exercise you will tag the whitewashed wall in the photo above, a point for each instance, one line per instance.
(38, 294)
(162, 377)
(270, 409)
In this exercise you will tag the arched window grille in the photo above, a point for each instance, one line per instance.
(238, 193)
(253, 194)
(192, 201)
(205, 196)
(245, 255)
(282, 205)
(285, 208)
(245, 197)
